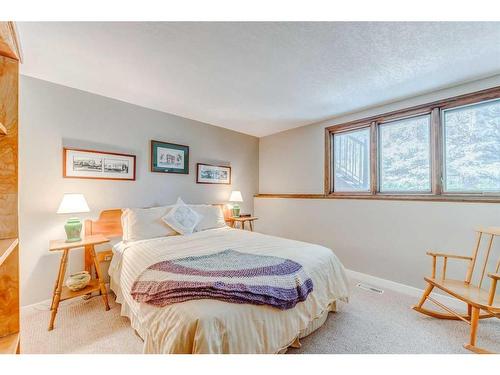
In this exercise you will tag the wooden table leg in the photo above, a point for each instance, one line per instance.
(243, 225)
(251, 225)
(88, 267)
(55, 288)
(104, 292)
(88, 260)
(57, 293)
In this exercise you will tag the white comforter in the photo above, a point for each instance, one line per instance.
(211, 326)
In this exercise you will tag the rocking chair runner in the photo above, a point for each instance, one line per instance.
(475, 297)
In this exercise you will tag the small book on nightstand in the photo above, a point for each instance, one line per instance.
(245, 215)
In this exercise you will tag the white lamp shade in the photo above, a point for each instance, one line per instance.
(236, 196)
(72, 204)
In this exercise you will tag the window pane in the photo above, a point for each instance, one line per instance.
(472, 148)
(351, 165)
(405, 158)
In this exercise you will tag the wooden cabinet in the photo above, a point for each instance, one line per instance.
(9, 243)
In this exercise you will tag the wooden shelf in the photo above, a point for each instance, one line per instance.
(9, 344)
(6, 247)
(93, 286)
(3, 129)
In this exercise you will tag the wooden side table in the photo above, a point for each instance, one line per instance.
(61, 292)
(242, 221)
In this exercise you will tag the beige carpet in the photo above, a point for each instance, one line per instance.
(370, 323)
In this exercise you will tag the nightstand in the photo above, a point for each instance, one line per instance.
(242, 220)
(61, 292)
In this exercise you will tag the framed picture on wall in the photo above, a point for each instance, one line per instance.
(101, 165)
(213, 174)
(169, 157)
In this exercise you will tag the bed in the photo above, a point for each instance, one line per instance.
(212, 326)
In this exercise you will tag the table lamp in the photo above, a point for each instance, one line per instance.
(72, 204)
(236, 197)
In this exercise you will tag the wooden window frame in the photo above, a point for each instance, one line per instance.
(341, 130)
(435, 110)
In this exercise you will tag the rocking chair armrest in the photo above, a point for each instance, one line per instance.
(493, 287)
(453, 256)
(495, 276)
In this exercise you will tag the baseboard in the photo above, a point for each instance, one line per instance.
(402, 288)
(45, 303)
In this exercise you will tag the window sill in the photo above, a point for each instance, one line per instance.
(393, 197)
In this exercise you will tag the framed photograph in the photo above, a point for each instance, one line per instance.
(78, 163)
(169, 157)
(213, 174)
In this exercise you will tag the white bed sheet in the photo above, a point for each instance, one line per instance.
(211, 326)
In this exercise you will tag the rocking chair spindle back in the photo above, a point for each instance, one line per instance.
(475, 297)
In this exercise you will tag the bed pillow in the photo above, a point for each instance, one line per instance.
(182, 218)
(144, 223)
(124, 222)
(211, 217)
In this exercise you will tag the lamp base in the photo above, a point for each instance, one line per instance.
(73, 228)
(236, 210)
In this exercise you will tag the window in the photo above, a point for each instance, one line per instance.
(352, 160)
(445, 150)
(405, 155)
(472, 148)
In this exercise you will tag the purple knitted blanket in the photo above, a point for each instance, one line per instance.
(229, 276)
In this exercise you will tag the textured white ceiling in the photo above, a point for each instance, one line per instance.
(259, 78)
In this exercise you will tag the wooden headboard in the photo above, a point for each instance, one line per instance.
(109, 223)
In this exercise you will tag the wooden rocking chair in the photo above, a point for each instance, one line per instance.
(477, 299)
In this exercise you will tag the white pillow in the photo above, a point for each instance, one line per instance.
(144, 223)
(182, 218)
(211, 216)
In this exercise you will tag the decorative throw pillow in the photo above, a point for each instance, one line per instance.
(182, 218)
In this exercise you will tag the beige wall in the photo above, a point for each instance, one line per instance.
(53, 116)
(382, 238)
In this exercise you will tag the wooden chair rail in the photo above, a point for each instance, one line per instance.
(450, 311)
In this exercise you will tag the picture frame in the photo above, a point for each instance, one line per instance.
(169, 157)
(213, 174)
(98, 165)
